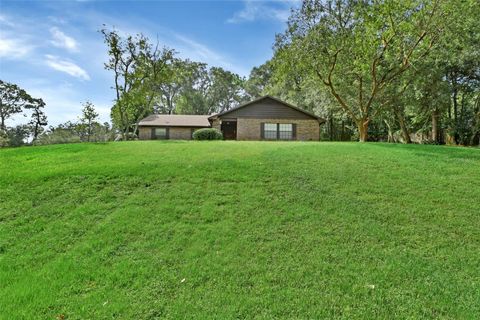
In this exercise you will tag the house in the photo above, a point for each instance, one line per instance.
(265, 118)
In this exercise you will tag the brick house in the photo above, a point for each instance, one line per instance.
(265, 118)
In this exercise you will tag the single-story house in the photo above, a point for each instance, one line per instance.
(265, 118)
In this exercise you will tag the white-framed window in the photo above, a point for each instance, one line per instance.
(278, 131)
(285, 131)
(270, 131)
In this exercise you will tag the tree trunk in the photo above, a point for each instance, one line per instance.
(403, 126)
(390, 133)
(362, 125)
(455, 113)
(331, 128)
(435, 117)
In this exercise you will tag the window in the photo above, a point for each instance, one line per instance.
(278, 131)
(285, 131)
(270, 131)
(160, 133)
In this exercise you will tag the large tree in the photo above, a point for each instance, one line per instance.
(225, 91)
(357, 49)
(138, 67)
(12, 101)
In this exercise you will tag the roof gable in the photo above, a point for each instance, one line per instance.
(267, 107)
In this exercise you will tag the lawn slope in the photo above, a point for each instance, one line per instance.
(145, 230)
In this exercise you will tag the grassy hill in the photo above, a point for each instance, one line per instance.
(144, 230)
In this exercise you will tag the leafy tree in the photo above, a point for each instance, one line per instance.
(258, 79)
(38, 118)
(17, 135)
(12, 100)
(88, 118)
(138, 67)
(358, 48)
(181, 75)
(225, 91)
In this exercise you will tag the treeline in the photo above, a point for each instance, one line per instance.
(15, 101)
(398, 71)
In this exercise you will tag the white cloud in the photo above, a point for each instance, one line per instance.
(61, 40)
(258, 10)
(66, 66)
(13, 48)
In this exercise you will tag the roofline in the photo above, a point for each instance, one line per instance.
(320, 120)
(168, 125)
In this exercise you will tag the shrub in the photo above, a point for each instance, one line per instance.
(207, 134)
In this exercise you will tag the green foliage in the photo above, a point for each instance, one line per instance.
(12, 101)
(71, 132)
(207, 134)
(175, 230)
(16, 136)
(138, 68)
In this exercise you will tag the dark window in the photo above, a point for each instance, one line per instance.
(278, 131)
(160, 133)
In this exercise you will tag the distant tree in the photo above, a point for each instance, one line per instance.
(12, 100)
(180, 75)
(18, 135)
(88, 118)
(38, 118)
(258, 80)
(225, 91)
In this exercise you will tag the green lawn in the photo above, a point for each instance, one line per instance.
(145, 230)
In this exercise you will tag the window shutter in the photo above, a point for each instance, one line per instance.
(152, 133)
(294, 131)
(167, 134)
(262, 130)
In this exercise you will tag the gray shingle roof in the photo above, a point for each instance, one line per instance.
(176, 120)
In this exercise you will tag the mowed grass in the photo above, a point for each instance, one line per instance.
(146, 230)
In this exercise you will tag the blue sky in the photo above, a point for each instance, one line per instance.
(53, 49)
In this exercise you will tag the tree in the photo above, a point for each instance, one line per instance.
(12, 100)
(138, 67)
(358, 48)
(257, 81)
(38, 117)
(225, 91)
(88, 118)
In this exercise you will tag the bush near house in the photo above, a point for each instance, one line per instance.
(207, 134)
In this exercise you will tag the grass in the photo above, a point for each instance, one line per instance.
(145, 230)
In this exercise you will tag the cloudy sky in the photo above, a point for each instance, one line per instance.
(53, 49)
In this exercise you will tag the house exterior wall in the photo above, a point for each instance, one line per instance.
(174, 133)
(145, 133)
(216, 124)
(250, 129)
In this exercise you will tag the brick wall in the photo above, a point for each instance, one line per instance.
(179, 133)
(144, 133)
(175, 133)
(249, 129)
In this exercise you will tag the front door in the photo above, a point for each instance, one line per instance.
(229, 130)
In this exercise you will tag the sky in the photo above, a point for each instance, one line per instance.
(53, 49)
